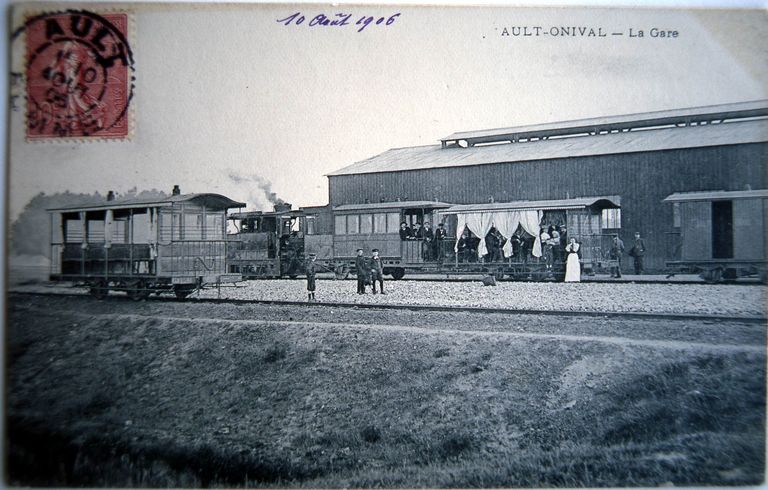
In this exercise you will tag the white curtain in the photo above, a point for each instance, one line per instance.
(109, 221)
(152, 232)
(506, 222)
(480, 224)
(530, 220)
(461, 222)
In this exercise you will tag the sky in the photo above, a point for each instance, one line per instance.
(229, 100)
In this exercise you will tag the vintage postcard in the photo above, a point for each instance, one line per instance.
(335, 245)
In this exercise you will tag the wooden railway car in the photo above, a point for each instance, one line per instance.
(721, 234)
(579, 217)
(176, 244)
(376, 226)
(267, 244)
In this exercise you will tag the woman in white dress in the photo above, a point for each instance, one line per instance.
(572, 266)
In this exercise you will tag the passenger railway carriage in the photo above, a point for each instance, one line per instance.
(173, 245)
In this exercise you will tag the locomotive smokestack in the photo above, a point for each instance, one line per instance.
(110, 195)
(283, 206)
(176, 190)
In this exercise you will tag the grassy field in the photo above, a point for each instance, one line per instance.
(153, 398)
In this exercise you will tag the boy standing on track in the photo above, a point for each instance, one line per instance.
(377, 271)
(311, 274)
(362, 271)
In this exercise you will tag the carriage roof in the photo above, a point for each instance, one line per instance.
(209, 200)
(391, 205)
(716, 195)
(601, 202)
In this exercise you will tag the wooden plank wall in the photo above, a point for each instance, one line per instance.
(642, 180)
(696, 230)
(748, 233)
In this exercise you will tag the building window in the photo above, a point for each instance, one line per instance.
(341, 225)
(676, 215)
(366, 224)
(611, 219)
(353, 224)
(379, 223)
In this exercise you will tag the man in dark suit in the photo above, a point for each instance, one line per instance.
(311, 269)
(440, 236)
(637, 252)
(377, 271)
(361, 266)
(427, 247)
(405, 232)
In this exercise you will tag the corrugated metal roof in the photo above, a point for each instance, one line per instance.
(703, 113)
(257, 214)
(433, 156)
(208, 199)
(576, 203)
(716, 195)
(391, 205)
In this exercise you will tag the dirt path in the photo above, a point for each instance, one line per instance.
(701, 347)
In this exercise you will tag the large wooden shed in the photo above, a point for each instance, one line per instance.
(641, 158)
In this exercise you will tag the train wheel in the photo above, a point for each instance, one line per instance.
(713, 276)
(99, 290)
(138, 291)
(398, 273)
(182, 292)
(499, 274)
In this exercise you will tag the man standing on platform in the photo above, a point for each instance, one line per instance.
(637, 252)
(617, 250)
(377, 271)
(361, 267)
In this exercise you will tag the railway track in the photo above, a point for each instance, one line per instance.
(376, 306)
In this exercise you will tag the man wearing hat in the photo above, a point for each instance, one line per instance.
(440, 235)
(311, 274)
(362, 271)
(377, 271)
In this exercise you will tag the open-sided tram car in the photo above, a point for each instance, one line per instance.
(722, 234)
(176, 244)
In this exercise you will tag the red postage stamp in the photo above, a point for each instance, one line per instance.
(79, 75)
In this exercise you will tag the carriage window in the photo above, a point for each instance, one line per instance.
(95, 231)
(676, 215)
(120, 230)
(353, 224)
(193, 226)
(611, 219)
(341, 225)
(310, 225)
(74, 231)
(393, 222)
(366, 224)
(379, 223)
(213, 226)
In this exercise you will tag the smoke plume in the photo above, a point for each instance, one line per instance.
(253, 184)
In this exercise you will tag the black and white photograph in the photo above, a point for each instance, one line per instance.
(368, 245)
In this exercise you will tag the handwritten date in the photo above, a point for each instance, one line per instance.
(340, 20)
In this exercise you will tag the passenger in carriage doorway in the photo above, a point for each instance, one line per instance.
(418, 232)
(377, 271)
(546, 245)
(440, 236)
(515, 245)
(405, 232)
(563, 238)
(362, 268)
(427, 249)
(464, 247)
(554, 240)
